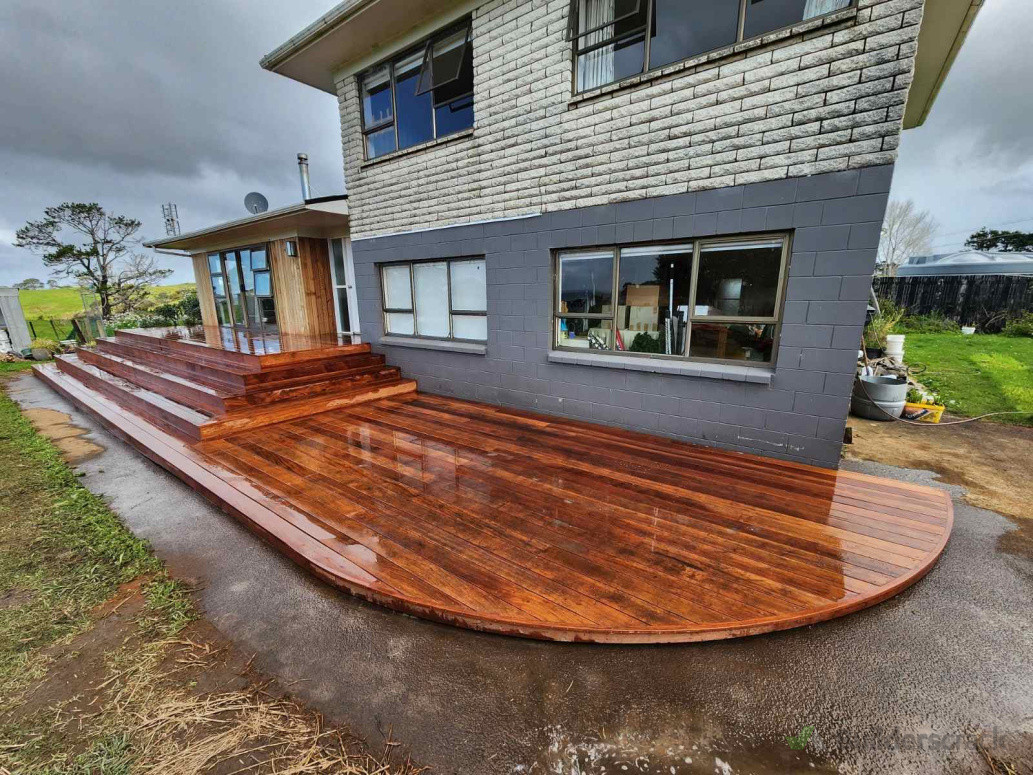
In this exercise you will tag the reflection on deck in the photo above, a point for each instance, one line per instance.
(246, 341)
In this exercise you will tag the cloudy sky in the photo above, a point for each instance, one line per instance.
(132, 103)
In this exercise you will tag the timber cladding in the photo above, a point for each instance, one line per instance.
(205, 297)
(302, 287)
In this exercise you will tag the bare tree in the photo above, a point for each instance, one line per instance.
(83, 242)
(906, 231)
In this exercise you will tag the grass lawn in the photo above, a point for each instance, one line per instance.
(63, 303)
(977, 374)
(106, 667)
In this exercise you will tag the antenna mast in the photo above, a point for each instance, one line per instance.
(171, 216)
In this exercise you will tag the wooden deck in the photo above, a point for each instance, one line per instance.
(523, 524)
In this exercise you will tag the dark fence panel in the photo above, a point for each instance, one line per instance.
(972, 300)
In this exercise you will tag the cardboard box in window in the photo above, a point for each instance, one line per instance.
(642, 295)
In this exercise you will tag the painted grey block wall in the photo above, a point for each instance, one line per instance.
(835, 220)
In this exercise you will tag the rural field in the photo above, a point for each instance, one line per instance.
(63, 303)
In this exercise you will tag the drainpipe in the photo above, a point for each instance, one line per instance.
(306, 191)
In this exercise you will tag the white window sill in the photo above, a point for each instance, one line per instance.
(468, 348)
(730, 372)
(421, 147)
(712, 56)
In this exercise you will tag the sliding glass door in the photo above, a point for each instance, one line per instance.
(242, 286)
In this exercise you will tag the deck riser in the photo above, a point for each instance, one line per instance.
(174, 391)
(166, 421)
(364, 378)
(192, 370)
(292, 410)
(239, 359)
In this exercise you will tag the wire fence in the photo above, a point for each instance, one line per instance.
(57, 329)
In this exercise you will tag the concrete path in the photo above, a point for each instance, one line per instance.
(895, 689)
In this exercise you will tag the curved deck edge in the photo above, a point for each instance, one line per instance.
(296, 536)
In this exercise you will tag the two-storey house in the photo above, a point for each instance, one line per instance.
(656, 214)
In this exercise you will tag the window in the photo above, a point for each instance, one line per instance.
(243, 287)
(711, 299)
(616, 39)
(423, 94)
(436, 299)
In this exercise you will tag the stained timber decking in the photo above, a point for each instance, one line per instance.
(511, 522)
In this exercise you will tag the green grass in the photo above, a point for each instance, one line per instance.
(62, 550)
(63, 303)
(977, 374)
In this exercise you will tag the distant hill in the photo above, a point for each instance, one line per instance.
(63, 303)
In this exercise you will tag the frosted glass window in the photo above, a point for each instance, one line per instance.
(400, 323)
(469, 291)
(431, 286)
(470, 327)
(397, 287)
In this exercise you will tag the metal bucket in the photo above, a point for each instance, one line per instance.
(878, 398)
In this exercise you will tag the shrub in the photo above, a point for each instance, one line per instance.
(167, 313)
(880, 326)
(50, 345)
(934, 323)
(1022, 326)
(190, 309)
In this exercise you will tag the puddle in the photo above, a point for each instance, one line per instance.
(1018, 542)
(57, 426)
(623, 752)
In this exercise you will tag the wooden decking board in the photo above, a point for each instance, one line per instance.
(662, 496)
(527, 494)
(503, 520)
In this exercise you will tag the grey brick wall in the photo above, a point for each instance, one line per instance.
(827, 95)
(800, 415)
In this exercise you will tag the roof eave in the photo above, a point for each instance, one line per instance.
(309, 216)
(940, 38)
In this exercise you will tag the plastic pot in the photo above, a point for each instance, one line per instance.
(878, 398)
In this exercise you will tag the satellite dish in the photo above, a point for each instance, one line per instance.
(256, 203)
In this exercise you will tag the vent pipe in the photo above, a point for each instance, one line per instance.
(306, 191)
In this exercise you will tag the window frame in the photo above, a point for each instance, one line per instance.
(572, 35)
(697, 246)
(427, 47)
(230, 260)
(452, 311)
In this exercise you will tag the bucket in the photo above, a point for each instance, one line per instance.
(895, 347)
(878, 398)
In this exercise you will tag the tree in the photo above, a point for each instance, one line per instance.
(1003, 241)
(29, 284)
(53, 283)
(906, 231)
(83, 242)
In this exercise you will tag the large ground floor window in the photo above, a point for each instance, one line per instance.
(443, 299)
(714, 300)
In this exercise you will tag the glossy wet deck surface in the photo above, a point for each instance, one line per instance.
(524, 524)
(244, 341)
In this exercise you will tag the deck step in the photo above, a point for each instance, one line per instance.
(166, 414)
(192, 424)
(222, 401)
(174, 387)
(236, 379)
(236, 348)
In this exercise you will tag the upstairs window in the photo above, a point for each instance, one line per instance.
(616, 39)
(423, 94)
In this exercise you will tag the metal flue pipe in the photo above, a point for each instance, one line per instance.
(306, 190)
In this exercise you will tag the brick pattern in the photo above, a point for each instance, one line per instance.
(800, 415)
(820, 98)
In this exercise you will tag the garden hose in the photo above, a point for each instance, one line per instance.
(907, 370)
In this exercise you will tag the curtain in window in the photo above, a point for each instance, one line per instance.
(820, 7)
(596, 67)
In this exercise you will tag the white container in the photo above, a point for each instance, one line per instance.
(895, 347)
(968, 330)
